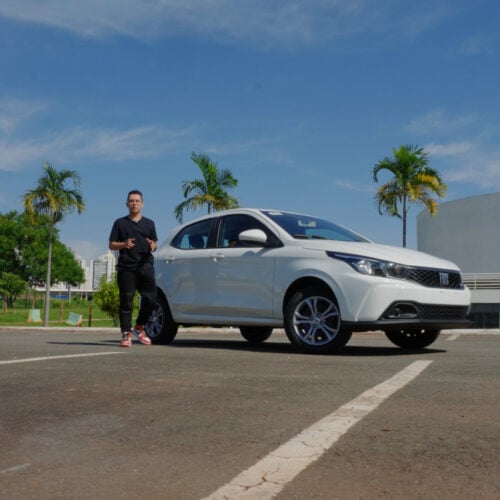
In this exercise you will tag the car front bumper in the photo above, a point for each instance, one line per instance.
(378, 303)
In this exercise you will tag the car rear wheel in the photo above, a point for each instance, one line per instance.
(256, 334)
(412, 339)
(313, 323)
(161, 327)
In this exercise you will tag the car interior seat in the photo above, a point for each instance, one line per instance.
(196, 241)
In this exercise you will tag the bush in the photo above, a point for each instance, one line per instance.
(107, 297)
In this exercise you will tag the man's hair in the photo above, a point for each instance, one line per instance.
(134, 191)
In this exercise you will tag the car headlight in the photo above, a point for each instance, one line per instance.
(372, 267)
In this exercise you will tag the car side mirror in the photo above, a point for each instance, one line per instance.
(255, 237)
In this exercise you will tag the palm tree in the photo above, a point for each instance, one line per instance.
(413, 182)
(53, 199)
(209, 191)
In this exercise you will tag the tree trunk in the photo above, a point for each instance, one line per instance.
(404, 221)
(48, 278)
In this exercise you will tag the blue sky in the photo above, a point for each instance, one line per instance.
(299, 99)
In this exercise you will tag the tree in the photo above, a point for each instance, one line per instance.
(52, 198)
(11, 286)
(209, 191)
(10, 237)
(65, 268)
(23, 251)
(413, 182)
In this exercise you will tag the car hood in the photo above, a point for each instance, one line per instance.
(384, 252)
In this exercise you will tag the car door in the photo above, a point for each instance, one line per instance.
(189, 272)
(244, 274)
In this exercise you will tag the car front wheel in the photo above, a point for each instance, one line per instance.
(161, 328)
(313, 323)
(412, 339)
(256, 334)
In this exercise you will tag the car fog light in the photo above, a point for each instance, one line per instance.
(402, 311)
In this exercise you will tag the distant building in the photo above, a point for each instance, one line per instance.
(93, 272)
(467, 232)
(103, 266)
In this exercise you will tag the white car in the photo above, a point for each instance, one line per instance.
(263, 269)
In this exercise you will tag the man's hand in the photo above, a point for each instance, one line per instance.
(152, 244)
(129, 243)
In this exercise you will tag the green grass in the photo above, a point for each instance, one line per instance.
(59, 312)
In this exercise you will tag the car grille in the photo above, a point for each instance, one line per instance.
(435, 278)
(411, 311)
(442, 313)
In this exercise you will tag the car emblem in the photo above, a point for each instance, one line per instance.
(444, 279)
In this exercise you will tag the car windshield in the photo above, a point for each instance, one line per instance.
(305, 227)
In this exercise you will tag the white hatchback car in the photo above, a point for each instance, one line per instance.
(263, 269)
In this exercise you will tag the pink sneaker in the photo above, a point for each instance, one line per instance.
(139, 332)
(126, 340)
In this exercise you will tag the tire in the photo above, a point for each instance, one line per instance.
(412, 339)
(313, 323)
(161, 327)
(256, 334)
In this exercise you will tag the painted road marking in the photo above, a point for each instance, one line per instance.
(47, 358)
(16, 468)
(268, 477)
(453, 337)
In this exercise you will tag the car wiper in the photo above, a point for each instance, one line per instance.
(306, 237)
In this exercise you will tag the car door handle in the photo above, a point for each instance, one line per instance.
(218, 256)
(169, 260)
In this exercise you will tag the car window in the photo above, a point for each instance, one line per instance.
(232, 225)
(305, 227)
(193, 237)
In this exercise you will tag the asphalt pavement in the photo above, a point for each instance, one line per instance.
(211, 416)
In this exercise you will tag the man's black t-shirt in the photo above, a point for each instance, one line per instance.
(132, 258)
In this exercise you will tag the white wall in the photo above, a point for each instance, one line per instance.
(465, 231)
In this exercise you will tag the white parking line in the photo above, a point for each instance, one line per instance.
(268, 477)
(29, 360)
(453, 337)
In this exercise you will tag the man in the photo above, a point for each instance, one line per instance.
(134, 236)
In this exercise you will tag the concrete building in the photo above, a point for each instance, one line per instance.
(467, 232)
(103, 266)
(93, 271)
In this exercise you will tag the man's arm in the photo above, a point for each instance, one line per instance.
(122, 245)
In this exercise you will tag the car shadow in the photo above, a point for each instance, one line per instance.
(287, 348)
(386, 351)
(265, 347)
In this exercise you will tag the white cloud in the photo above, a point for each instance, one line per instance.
(256, 21)
(477, 45)
(438, 121)
(15, 111)
(451, 149)
(85, 249)
(466, 162)
(20, 148)
(480, 169)
(466, 150)
(89, 143)
(352, 186)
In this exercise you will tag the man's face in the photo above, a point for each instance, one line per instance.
(135, 204)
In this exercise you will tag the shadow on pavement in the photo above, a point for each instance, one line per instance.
(277, 347)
